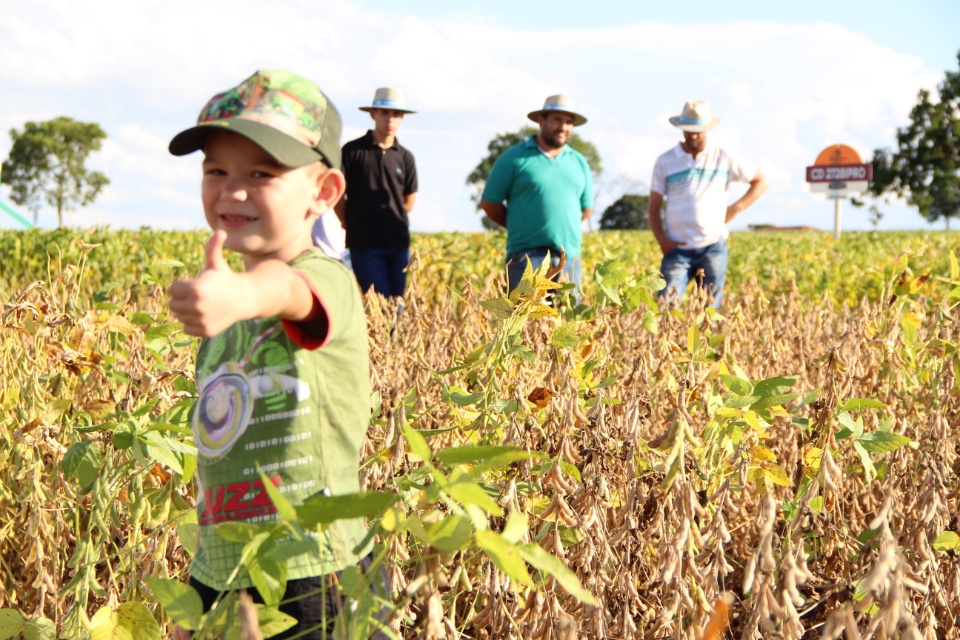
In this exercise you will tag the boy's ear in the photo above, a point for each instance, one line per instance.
(330, 187)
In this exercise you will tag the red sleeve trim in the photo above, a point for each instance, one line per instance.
(295, 330)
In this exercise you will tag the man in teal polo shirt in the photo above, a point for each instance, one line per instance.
(541, 191)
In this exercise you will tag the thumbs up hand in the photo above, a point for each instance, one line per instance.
(215, 259)
(211, 302)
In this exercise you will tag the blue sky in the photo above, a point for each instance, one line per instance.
(786, 81)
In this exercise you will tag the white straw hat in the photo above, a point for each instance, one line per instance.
(559, 102)
(695, 117)
(388, 98)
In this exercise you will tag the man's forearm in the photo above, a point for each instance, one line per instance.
(341, 210)
(495, 211)
(654, 207)
(656, 224)
(408, 201)
(757, 186)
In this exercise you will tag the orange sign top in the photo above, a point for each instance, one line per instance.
(838, 154)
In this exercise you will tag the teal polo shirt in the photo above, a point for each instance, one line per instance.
(545, 197)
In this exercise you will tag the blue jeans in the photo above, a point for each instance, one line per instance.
(381, 269)
(517, 263)
(680, 265)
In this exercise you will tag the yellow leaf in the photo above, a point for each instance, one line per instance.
(778, 410)
(542, 310)
(761, 453)
(911, 320)
(120, 325)
(775, 474)
(729, 412)
(753, 420)
(546, 284)
(812, 457)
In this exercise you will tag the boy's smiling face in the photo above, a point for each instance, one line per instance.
(266, 209)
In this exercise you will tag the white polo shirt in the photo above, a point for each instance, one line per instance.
(696, 192)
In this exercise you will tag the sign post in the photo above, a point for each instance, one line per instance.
(838, 172)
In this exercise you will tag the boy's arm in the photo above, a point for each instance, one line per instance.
(220, 297)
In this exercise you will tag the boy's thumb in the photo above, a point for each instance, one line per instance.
(215, 259)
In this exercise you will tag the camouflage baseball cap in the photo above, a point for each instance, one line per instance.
(287, 115)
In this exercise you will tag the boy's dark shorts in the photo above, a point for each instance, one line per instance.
(308, 611)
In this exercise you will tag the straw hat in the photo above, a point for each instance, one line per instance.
(559, 102)
(388, 98)
(695, 117)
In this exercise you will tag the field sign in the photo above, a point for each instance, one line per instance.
(838, 171)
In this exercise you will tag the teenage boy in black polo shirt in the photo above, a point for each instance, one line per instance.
(381, 189)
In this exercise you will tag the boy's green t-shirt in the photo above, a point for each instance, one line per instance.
(298, 406)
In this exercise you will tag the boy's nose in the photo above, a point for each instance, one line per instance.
(235, 189)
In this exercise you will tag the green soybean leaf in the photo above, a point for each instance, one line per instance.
(947, 541)
(284, 509)
(572, 333)
(273, 621)
(504, 554)
(167, 264)
(775, 400)
(883, 441)
(516, 527)
(130, 620)
(471, 454)
(11, 624)
(473, 493)
(859, 404)
(500, 307)
(82, 463)
(325, 509)
(418, 445)
(179, 601)
(269, 575)
(40, 629)
(869, 472)
(739, 402)
(450, 534)
(465, 400)
(538, 557)
(774, 386)
(739, 386)
(850, 426)
(237, 531)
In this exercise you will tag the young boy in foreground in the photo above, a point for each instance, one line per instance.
(283, 370)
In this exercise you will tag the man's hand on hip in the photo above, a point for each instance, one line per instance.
(667, 245)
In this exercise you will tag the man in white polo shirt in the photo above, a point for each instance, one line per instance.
(694, 177)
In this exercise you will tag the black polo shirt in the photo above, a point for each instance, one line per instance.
(377, 181)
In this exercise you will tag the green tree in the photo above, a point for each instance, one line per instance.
(503, 141)
(47, 164)
(628, 212)
(925, 167)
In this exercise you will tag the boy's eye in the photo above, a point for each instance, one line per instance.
(213, 171)
(262, 174)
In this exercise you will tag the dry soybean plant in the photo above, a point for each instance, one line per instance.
(608, 470)
(797, 454)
